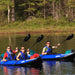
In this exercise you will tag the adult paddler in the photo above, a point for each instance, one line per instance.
(48, 48)
(22, 55)
(10, 54)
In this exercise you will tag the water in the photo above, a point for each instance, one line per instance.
(48, 67)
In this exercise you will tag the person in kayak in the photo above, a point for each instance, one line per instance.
(48, 48)
(22, 55)
(32, 54)
(10, 54)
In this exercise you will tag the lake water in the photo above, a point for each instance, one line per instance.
(48, 67)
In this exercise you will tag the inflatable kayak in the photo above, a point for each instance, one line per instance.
(36, 62)
(68, 57)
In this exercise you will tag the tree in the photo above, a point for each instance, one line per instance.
(13, 11)
(6, 6)
(71, 5)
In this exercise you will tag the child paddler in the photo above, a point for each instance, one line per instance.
(10, 54)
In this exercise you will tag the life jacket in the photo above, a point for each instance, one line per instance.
(49, 50)
(11, 56)
(23, 56)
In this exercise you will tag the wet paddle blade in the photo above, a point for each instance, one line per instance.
(39, 38)
(70, 37)
(27, 37)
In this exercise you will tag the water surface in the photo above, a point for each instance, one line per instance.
(48, 67)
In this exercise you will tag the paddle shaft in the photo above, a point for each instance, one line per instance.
(37, 40)
(32, 45)
(68, 38)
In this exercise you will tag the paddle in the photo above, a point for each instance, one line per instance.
(25, 39)
(37, 40)
(68, 38)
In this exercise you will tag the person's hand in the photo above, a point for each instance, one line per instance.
(58, 44)
(18, 59)
(4, 60)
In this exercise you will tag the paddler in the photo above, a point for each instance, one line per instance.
(10, 54)
(48, 48)
(22, 55)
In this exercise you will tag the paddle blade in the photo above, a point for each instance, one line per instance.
(70, 37)
(27, 37)
(39, 38)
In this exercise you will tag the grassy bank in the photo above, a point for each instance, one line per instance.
(38, 26)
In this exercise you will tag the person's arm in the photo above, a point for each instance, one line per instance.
(43, 52)
(5, 56)
(19, 54)
(56, 46)
(28, 51)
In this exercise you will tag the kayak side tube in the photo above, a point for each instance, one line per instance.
(30, 62)
(66, 57)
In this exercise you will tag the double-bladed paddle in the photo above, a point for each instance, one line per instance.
(37, 40)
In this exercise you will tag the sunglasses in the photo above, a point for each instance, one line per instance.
(8, 48)
(23, 49)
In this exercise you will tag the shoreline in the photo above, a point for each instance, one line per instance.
(42, 31)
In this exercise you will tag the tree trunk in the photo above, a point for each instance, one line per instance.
(8, 14)
(44, 11)
(60, 9)
(53, 13)
(13, 12)
(29, 9)
(57, 14)
(72, 13)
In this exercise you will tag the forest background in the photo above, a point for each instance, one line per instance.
(37, 16)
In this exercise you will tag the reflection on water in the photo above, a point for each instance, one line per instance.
(48, 68)
(10, 70)
(58, 68)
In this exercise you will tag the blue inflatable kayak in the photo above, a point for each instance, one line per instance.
(69, 57)
(66, 57)
(29, 62)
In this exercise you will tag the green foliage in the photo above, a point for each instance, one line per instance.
(71, 3)
(57, 13)
(22, 4)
